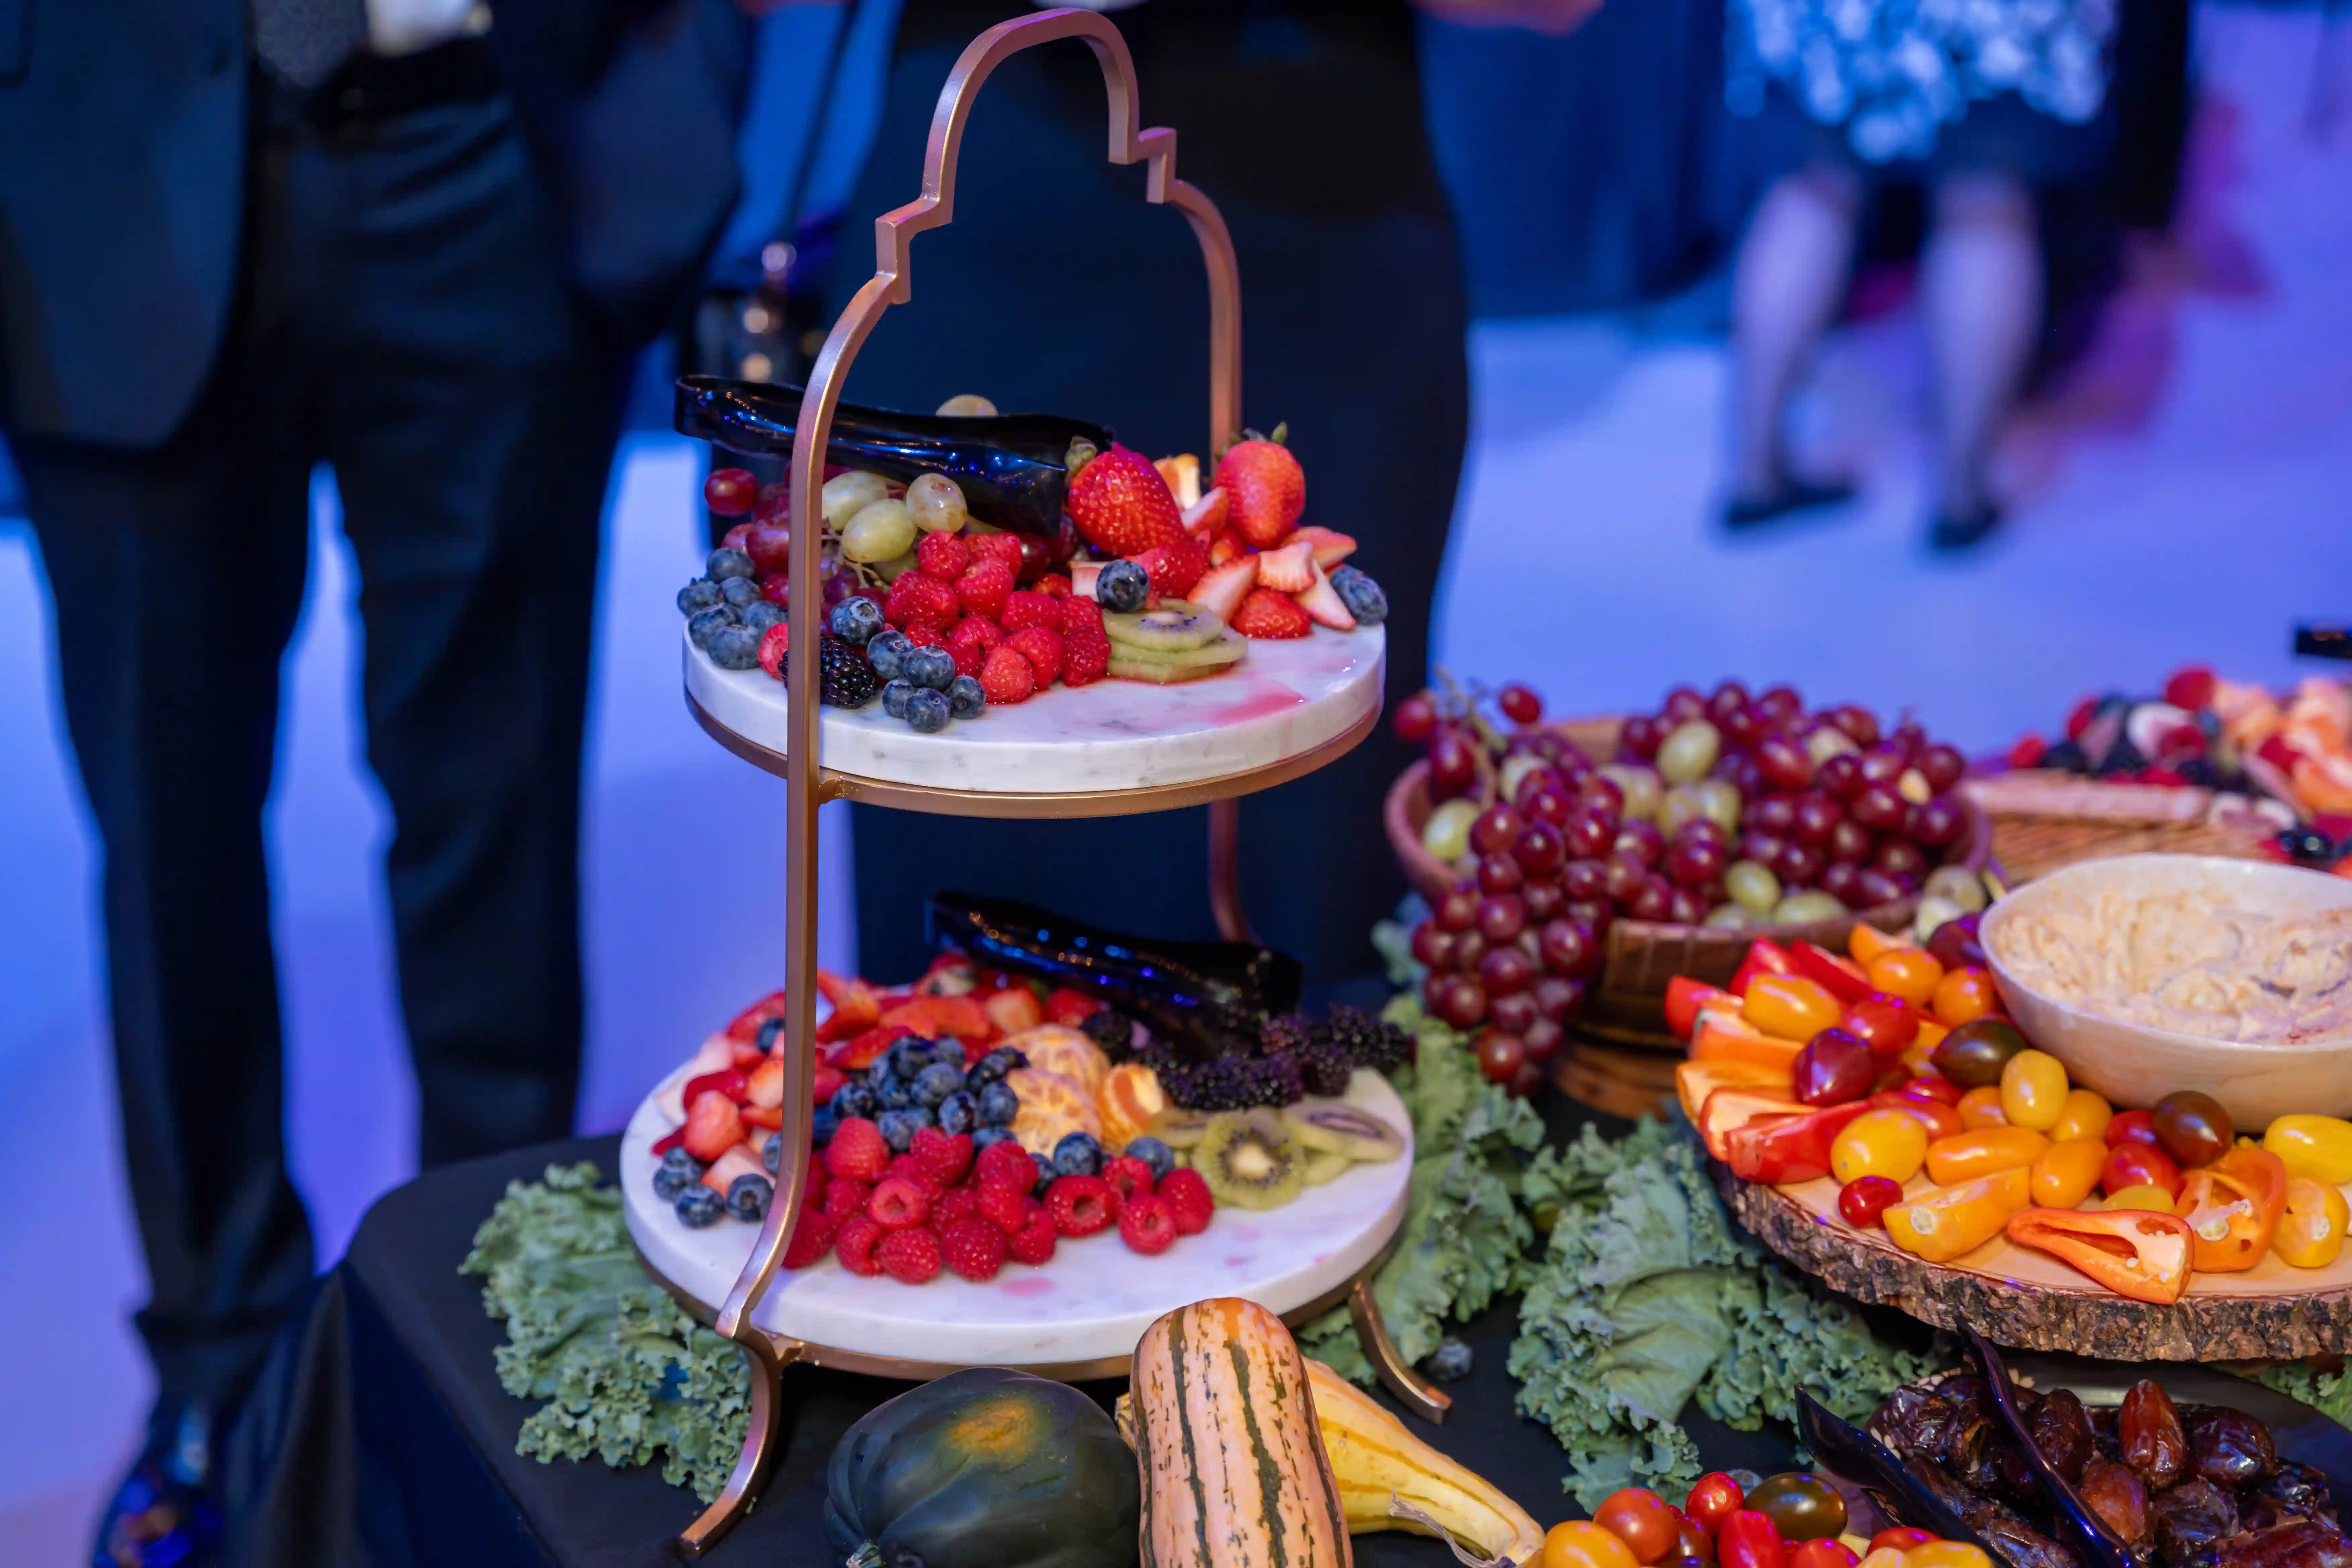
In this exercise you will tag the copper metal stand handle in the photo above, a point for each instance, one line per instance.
(1416, 1393)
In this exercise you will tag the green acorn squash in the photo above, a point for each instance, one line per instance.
(984, 1469)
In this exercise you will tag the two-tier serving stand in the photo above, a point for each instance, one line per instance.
(810, 784)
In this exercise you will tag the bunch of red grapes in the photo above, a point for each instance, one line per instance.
(1729, 809)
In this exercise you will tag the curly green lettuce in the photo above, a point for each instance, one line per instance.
(2329, 1392)
(625, 1375)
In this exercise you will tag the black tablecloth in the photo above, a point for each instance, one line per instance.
(382, 1437)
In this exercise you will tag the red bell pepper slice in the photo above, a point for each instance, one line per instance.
(2137, 1253)
(1764, 957)
(1779, 1149)
(1685, 998)
(1841, 976)
(2232, 1207)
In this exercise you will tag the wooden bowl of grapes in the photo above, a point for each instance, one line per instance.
(1640, 847)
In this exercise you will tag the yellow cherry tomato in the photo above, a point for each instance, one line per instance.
(1789, 1006)
(1580, 1544)
(1909, 972)
(1946, 1555)
(1965, 1156)
(2067, 1172)
(1891, 1143)
(2085, 1115)
(2311, 1232)
(2319, 1147)
(2147, 1195)
(1881, 1557)
(1943, 1224)
(1981, 1108)
(2033, 1090)
(1962, 995)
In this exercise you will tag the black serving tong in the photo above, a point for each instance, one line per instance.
(2101, 1546)
(1871, 1466)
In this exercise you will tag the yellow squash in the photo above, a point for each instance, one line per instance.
(1378, 1462)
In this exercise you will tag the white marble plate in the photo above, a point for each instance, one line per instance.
(1093, 1302)
(1284, 700)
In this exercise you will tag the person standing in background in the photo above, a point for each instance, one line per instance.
(1058, 288)
(418, 240)
(1984, 102)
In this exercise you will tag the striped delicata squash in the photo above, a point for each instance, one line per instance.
(1225, 1437)
(1380, 1465)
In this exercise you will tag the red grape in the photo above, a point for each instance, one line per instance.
(767, 546)
(1640, 737)
(1728, 697)
(1785, 764)
(1641, 841)
(1527, 1080)
(1458, 910)
(1601, 797)
(1514, 1013)
(1565, 945)
(1839, 777)
(1519, 705)
(1544, 900)
(1837, 881)
(1760, 846)
(1542, 1038)
(1773, 814)
(1877, 807)
(1859, 725)
(1452, 766)
(1873, 886)
(1940, 822)
(1652, 900)
(1416, 718)
(1502, 916)
(1500, 1055)
(1559, 998)
(1499, 873)
(1849, 840)
(1695, 862)
(1908, 737)
(1798, 865)
(1539, 848)
(1746, 776)
(1779, 704)
(1901, 860)
(1681, 705)
(1469, 947)
(1816, 817)
(1942, 766)
(1431, 947)
(1550, 804)
(1505, 970)
(1595, 916)
(1497, 828)
(1741, 728)
(1464, 1004)
(777, 589)
(1588, 836)
(1685, 907)
(1706, 828)
(1585, 879)
(1532, 783)
(1882, 765)
(731, 492)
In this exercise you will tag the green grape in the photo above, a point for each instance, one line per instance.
(1689, 752)
(1719, 798)
(1730, 917)
(968, 405)
(1446, 834)
(937, 504)
(1804, 908)
(846, 495)
(1826, 742)
(1752, 886)
(1960, 885)
(1641, 788)
(878, 532)
(1934, 910)
(1682, 803)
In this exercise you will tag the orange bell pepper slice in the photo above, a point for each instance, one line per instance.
(2133, 1252)
(2232, 1208)
(1685, 996)
(1945, 1224)
(1725, 1037)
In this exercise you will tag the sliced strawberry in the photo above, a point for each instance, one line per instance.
(746, 1024)
(733, 1082)
(1014, 1010)
(713, 1126)
(1289, 569)
(1082, 576)
(931, 1016)
(851, 997)
(1322, 601)
(1330, 546)
(1225, 547)
(1208, 515)
(765, 1088)
(1221, 589)
(862, 1050)
(1070, 1008)
(1182, 473)
(737, 1160)
(770, 1117)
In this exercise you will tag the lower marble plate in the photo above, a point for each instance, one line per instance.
(1091, 1303)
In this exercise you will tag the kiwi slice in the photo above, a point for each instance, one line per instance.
(1181, 1129)
(1173, 627)
(1162, 674)
(1335, 1127)
(1249, 1160)
(1225, 648)
(1322, 1165)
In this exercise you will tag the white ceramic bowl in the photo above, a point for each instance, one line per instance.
(2134, 1065)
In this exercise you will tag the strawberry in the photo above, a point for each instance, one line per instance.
(1207, 517)
(1224, 547)
(1220, 591)
(972, 1248)
(774, 643)
(1267, 488)
(1085, 658)
(845, 1199)
(1070, 1008)
(1007, 678)
(942, 556)
(1006, 1164)
(1121, 505)
(1330, 547)
(1042, 646)
(1289, 569)
(1269, 615)
(947, 1156)
(2191, 687)
(1003, 1205)
(910, 1256)
(983, 589)
(812, 1237)
(1189, 1203)
(1081, 1205)
(1147, 1226)
(1127, 1176)
(1034, 1243)
(898, 1204)
(854, 1244)
(1013, 1009)
(858, 1152)
(713, 1126)
(1174, 566)
(920, 600)
(2028, 751)
(955, 1203)
(1080, 613)
(1004, 548)
(1023, 609)
(1322, 602)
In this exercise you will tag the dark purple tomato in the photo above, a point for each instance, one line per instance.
(2192, 1127)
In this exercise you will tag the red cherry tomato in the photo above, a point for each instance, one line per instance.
(1692, 1542)
(2132, 1126)
(1643, 1520)
(1864, 1198)
(2138, 1165)
(1825, 1552)
(1928, 1086)
(1749, 1539)
(1882, 1024)
(1714, 1498)
(1902, 1537)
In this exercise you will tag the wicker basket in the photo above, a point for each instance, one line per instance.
(2042, 820)
(1628, 1000)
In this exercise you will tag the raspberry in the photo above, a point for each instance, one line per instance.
(917, 600)
(854, 1244)
(1081, 1205)
(972, 1248)
(845, 1198)
(971, 641)
(1080, 613)
(1147, 1226)
(1007, 1163)
(947, 1156)
(925, 637)
(1127, 1175)
(943, 556)
(1004, 548)
(1186, 1195)
(1003, 1205)
(955, 1203)
(774, 643)
(1007, 678)
(898, 1204)
(983, 589)
(812, 1237)
(910, 1256)
(1034, 1243)
(907, 1168)
(1042, 646)
(1023, 609)
(1085, 655)
(856, 1151)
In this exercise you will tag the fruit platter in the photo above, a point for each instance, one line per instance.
(1909, 1120)
(1641, 849)
(996, 584)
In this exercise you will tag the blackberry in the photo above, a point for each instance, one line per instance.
(1121, 587)
(748, 1195)
(927, 711)
(1286, 1033)
(1219, 1085)
(1362, 595)
(966, 698)
(1273, 1080)
(726, 563)
(700, 594)
(1110, 1029)
(740, 591)
(1156, 1054)
(1324, 1067)
(885, 651)
(1369, 1042)
(857, 620)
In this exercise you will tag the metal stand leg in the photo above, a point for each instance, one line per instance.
(1416, 1393)
(760, 1439)
(1225, 871)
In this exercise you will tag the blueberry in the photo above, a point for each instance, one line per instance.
(770, 1031)
(995, 1065)
(885, 651)
(949, 1049)
(853, 1098)
(936, 1082)
(1122, 585)
(771, 1152)
(679, 1158)
(735, 647)
(998, 1104)
(1161, 1158)
(1450, 1362)
(670, 1180)
(740, 591)
(965, 696)
(898, 1129)
(1077, 1154)
(985, 1136)
(748, 1195)
(823, 1125)
(1046, 1177)
(927, 711)
(1362, 595)
(959, 1112)
(760, 614)
(892, 1094)
(726, 562)
(931, 666)
(702, 625)
(895, 695)
(698, 1207)
(856, 620)
(700, 595)
(909, 1054)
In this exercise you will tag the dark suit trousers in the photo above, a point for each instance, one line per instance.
(403, 318)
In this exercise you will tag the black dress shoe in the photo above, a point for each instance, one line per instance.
(165, 1514)
(1786, 498)
(1965, 530)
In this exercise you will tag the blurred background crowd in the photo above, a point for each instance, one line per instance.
(1963, 356)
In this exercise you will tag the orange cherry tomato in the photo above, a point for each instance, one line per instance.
(1882, 1024)
(2067, 1172)
(1580, 1544)
(1964, 993)
(2085, 1115)
(1643, 1520)
(1980, 1107)
(1789, 1006)
(1909, 974)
